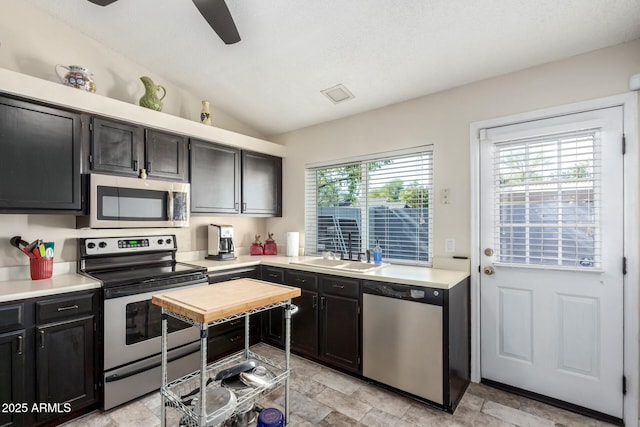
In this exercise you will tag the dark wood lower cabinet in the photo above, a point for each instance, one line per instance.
(48, 358)
(228, 337)
(340, 331)
(64, 364)
(304, 324)
(273, 320)
(12, 377)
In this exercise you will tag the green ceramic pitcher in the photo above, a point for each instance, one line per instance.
(150, 98)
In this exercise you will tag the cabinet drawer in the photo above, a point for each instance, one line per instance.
(273, 274)
(61, 308)
(308, 281)
(232, 325)
(223, 276)
(11, 317)
(340, 286)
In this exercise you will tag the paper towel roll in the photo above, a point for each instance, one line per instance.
(293, 243)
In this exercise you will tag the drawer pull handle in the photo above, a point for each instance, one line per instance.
(302, 280)
(41, 339)
(235, 322)
(322, 303)
(314, 302)
(20, 344)
(338, 286)
(236, 338)
(70, 307)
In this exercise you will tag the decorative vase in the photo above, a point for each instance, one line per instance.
(76, 76)
(205, 115)
(150, 98)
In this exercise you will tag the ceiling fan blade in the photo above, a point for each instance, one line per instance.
(102, 2)
(219, 18)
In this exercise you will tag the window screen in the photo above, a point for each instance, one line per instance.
(349, 206)
(547, 200)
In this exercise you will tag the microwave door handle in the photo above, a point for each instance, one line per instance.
(170, 205)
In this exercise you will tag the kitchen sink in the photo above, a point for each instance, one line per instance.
(362, 267)
(322, 262)
(341, 264)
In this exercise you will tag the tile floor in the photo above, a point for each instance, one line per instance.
(321, 396)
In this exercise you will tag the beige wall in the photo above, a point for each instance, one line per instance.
(32, 42)
(443, 119)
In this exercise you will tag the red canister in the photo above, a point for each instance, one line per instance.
(256, 247)
(270, 247)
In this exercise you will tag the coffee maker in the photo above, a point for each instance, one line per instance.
(221, 242)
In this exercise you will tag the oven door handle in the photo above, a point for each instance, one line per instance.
(117, 377)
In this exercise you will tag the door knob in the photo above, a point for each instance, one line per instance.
(488, 252)
(488, 270)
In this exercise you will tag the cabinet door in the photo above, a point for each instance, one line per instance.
(340, 331)
(261, 184)
(304, 324)
(116, 147)
(13, 375)
(273, 320)
(39, 158)
(166, 155)
(65, 363)
(215, 178)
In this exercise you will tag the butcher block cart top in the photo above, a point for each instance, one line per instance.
(206, 306)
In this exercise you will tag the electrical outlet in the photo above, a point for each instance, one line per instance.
(450, 245)
(444, 196)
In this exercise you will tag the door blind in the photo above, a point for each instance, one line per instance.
(547, 200)
(385, 199)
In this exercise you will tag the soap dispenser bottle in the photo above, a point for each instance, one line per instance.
(377, 254)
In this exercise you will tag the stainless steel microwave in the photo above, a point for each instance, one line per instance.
(123, 202)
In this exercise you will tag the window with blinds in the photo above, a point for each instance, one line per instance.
(350, 206)
(547, 200)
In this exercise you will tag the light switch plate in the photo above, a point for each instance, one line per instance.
(450, 245)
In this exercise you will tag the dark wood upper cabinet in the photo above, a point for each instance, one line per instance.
(116, 147)
(39, 158)
(124, 149)
(166, 155)
(215, 178)
(261, 184)
(229, 180)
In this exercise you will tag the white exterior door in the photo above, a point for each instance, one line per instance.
(551, 218)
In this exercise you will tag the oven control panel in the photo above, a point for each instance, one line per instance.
(115, 245)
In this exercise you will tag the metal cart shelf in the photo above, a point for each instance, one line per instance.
(171, 392)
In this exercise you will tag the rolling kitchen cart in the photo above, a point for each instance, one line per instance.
(206, 306)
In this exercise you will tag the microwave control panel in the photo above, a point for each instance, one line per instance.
(115, 245)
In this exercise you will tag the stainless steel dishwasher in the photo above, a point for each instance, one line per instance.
(402, 338)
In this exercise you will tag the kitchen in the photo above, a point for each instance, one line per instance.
(441, 119)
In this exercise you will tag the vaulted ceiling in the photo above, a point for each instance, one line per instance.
(383, 51)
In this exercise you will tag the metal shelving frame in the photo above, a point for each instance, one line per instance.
(198, 379)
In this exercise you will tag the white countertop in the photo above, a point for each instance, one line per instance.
(13, 289)
(404, 274)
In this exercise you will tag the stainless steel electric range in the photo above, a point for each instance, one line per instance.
(132, 269)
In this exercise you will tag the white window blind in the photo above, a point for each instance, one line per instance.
(547, 200)
(352, 205)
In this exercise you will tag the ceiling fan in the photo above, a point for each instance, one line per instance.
(215, 12)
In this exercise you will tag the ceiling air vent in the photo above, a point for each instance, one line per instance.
(338, 94)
